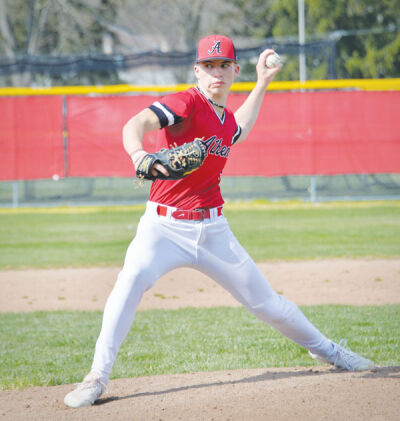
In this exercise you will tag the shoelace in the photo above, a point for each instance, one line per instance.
(345, 355)
(90, 384)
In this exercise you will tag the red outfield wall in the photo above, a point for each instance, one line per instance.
(327, 133)
(31, 138)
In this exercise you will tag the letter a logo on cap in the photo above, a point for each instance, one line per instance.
(216, 48)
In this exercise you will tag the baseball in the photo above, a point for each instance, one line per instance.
(273, 60)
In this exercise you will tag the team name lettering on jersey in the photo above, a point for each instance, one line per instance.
(183, 116)
(214, 147)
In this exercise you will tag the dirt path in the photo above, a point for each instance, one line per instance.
(262, 394)
(355, 282)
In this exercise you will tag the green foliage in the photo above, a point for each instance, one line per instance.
(100, 236)
(49, 348)
(373, 53)
(364, 55)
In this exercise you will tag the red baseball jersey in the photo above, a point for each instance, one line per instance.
(184, 116)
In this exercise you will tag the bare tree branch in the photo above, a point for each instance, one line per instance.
(5, 31)
(40, 19)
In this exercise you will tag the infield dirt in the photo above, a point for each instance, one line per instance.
(262, 394)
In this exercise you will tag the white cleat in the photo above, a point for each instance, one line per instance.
(86, 392)
(344, 359)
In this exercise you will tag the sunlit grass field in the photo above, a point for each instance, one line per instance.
(92, 236)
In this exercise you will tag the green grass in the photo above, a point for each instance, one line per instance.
(325, 232)
(99, 236)
(49, 348)
(35, 239)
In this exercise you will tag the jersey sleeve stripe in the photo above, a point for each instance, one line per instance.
(161, 116)
(237, 134)
(166, 116)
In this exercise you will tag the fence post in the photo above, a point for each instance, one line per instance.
(15, 194)
(313, 188)
(65, 136)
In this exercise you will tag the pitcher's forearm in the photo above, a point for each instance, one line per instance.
(134, 131)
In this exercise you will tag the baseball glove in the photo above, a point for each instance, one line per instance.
(179, 161)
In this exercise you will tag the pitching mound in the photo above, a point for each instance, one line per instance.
(263, 394)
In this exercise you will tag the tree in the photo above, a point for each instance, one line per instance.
(363, 34)
(54, 28)
(68, 27)
(346, 38)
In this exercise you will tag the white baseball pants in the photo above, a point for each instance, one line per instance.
(162, 244)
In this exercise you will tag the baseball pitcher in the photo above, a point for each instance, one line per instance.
(184, 222)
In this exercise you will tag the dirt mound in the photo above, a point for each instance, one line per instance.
(256, 395)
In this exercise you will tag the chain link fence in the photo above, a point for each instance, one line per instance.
(116, 191)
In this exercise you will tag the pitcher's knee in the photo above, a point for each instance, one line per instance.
(137, 278)
(275, 310)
